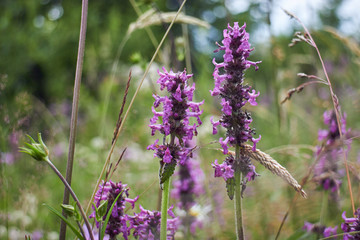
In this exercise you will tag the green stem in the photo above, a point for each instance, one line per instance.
(324, 207)
(164, 208)
(72, 193)
(238, 199)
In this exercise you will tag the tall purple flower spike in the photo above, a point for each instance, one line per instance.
(174, 121)
(229, 85)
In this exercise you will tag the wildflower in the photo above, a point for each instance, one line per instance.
(117, 221)
(320, 229)
(351, 225)
(146, 224)
(175, 116)
(234, 95)
(327, 172)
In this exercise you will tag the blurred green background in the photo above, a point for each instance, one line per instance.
(38, 48)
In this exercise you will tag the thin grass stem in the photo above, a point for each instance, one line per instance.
(74, 112)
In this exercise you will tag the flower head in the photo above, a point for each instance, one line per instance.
(234, 93)
(177, 110)
(146, 224)
(117, 223)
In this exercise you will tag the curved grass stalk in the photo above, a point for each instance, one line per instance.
(335, 102)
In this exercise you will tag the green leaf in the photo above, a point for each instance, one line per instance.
(168, 171)
(71, 226)
(101, 211)
(108, 215)
(230, 187)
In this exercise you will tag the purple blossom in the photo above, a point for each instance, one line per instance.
(320, 229)
(146, 224)
(327, 172)
(351, 224)
(177, 111)
(117, 222)
(223, 170)
(234, 93)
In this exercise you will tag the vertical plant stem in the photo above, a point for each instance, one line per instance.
(67, 186)
(238, 199)
(324, 207)
(74, 112)
(164, 208)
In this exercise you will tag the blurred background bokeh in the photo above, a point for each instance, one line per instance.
(38, 48)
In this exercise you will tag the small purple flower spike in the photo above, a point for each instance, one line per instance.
(177, 111)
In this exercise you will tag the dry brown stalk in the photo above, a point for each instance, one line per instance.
(271, 164)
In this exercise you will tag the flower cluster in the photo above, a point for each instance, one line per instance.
(177, 110)
(320, 229)
(229, 85)
(117, 222)
(187, 187)
(327, 172)
(146, 224)
(351, 225)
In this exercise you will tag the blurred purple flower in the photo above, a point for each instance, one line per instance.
(327, 172)
(187, 187)
(320, 229)
(37, 235)
(351, 224)
(229, 85)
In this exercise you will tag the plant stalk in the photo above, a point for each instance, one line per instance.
(74, 112)
(74, 197)
(164, 208)
(238, 199)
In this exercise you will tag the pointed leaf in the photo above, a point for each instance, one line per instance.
(230, 187)
(168, 171)
(71, 226)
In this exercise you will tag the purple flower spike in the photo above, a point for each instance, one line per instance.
(177, 115)
(234, 93)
